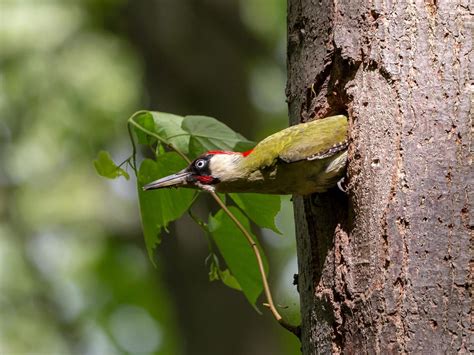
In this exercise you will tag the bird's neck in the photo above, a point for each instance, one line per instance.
(228, 167)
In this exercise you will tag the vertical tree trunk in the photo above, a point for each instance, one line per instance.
(386, 269)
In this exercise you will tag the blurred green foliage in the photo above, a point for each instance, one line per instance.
(68, 283)
(74, 275)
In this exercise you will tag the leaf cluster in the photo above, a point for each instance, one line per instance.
(173, 140)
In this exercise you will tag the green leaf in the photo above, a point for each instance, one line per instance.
(160, 207)
(229, 280)
(262, 209)
(105, 166)
(145, 120)
(165, 125)
(237, 252)
(207, 133)
(169, 127)
(215, 273)
(213, 268)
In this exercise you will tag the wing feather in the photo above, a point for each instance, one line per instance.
(317, 139)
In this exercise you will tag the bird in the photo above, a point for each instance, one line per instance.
(302, 159)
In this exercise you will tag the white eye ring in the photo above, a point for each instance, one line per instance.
(201, 163)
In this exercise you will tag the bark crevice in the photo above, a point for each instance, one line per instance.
(388, 269)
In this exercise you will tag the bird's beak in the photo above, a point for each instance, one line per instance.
(178, 179)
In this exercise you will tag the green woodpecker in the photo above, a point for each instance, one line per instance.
(301, 159)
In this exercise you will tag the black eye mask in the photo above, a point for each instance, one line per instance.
(200, 166)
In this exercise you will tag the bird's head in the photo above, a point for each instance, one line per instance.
(206, 171)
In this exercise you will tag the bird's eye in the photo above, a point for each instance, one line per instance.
(201, 163)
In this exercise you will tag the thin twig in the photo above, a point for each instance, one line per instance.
(125, 161)
(294, 329)
(161, 139)
(258, 256)
(134, 149)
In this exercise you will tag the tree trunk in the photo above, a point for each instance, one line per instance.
(385, 269)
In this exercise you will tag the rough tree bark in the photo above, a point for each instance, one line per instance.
(386, 269)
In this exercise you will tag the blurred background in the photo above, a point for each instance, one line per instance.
(74, 274)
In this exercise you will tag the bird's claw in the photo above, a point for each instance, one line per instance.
(208, 188)
(341, 184)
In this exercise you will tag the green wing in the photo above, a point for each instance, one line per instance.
(317, 139)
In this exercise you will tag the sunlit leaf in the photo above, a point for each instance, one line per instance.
(237, 252)
(145, 120)
(160, 207)
(165, 125)
(169, 127)
(207, 133)
(105, 166)
(262, 209)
